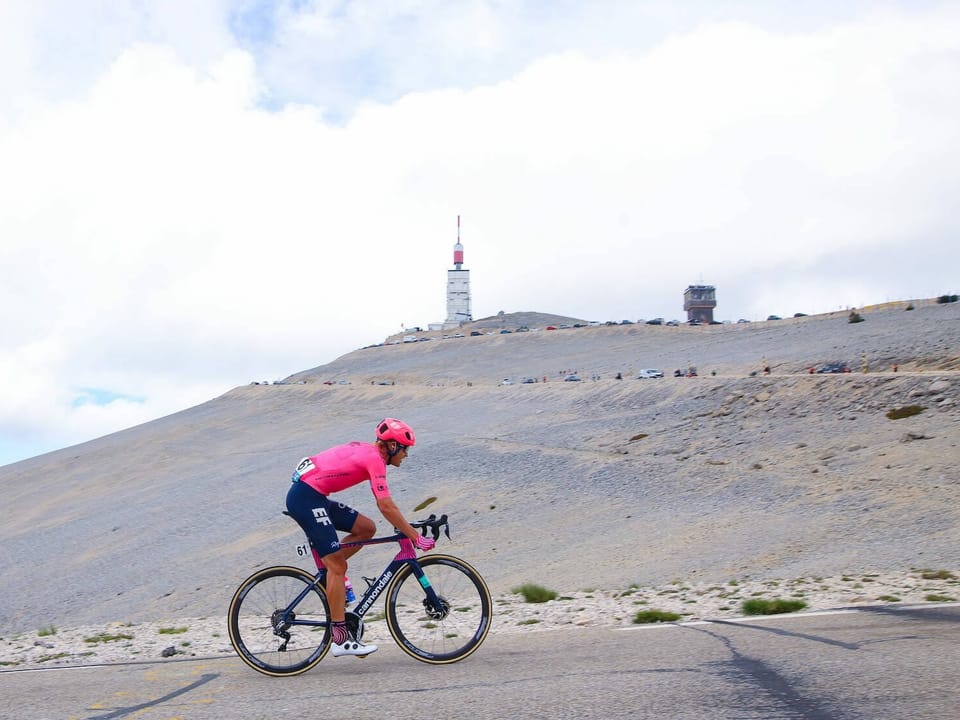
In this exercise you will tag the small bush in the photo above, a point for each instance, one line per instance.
(939, 598)
(904, 412)
(889, 598)
(937, 575)
(535, 593)
(425, 503)
(104, 637)
(47, 631)
(172, 630)
(654, 616)
(855, 317)
(910, 306)
(761, 606)
(56, 656)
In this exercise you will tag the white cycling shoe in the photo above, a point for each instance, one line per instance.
(352, 647)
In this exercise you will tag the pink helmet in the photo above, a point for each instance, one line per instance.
(393, 429)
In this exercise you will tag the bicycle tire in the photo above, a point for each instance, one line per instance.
(439, 640)
(257, 632)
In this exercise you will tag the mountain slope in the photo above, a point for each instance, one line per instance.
(570, 485)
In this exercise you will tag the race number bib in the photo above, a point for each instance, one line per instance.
(305, 466)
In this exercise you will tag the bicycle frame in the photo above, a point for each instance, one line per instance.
(405, 556)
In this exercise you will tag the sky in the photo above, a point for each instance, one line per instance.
(194, 196)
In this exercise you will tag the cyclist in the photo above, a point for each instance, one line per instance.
(308, 501)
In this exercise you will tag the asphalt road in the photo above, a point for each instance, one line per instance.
(871, 663)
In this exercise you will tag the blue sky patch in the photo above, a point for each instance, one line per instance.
(98, 396)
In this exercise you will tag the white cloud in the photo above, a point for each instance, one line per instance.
(164, 235)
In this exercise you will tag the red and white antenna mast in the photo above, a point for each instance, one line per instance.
(458, 249)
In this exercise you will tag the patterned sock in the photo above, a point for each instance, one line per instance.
(339, 630)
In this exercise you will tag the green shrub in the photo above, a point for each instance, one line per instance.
(654, 616)
(535, 593)
(855, 317)
(762, 606)
(172, 630)
(904, 412)
(56, 656)
(47, 631)
(104, 637)
(939, 598)
(937, 575)
(426, 503)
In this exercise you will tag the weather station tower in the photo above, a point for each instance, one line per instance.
(458, 289)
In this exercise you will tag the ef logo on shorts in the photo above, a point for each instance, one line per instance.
(321, 516)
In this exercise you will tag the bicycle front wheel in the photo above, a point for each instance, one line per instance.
(444, 634)
(279, 621)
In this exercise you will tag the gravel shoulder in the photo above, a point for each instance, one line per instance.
(585, 609)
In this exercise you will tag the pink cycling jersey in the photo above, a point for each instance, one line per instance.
(344, 466)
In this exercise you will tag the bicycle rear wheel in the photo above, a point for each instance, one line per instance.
(271, 632)
(439, 635)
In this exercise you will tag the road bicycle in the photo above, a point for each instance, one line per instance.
(437, 607)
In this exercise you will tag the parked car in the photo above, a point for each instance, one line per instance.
(475, 333)
(834, 368)
(528, 381)
(506, 381)
(572, 378)
(655, 321)
(773, 317)
(649, 373)
(551, 327)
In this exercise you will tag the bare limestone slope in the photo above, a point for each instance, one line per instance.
(571, 485)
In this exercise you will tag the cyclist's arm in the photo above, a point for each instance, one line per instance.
(391, 513)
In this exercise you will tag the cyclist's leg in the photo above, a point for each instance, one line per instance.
(350, 521)
(363, 529)
(336, 565)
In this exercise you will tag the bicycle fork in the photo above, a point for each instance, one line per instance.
(435, 606)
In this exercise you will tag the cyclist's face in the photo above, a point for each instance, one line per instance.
(400, 455)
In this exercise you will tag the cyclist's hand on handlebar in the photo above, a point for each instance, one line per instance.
(424, 543)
